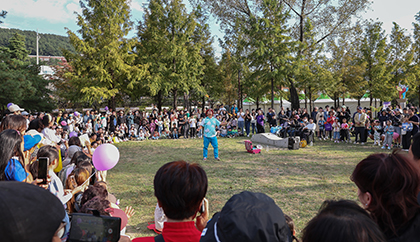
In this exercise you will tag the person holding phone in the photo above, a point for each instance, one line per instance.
(13, 162)
(180, 188)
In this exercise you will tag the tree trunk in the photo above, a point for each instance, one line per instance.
(257, 102)
(175, 102)
(203, 105)
(272, 93)
(371, 100)
(310, 101)
(419, 92)
(358, 102)
(112, 103)
(239, 90)
(159, 99)
(306, 100)
(294, 98)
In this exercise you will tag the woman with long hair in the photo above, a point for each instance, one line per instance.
(388, 185)
(13, 164)
(260, 122)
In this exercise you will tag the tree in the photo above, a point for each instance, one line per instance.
(17, 47)
(328, 17)
(3, 15)
(21, 82)
(268, 46)
(103, 66)
(400, 57)
(167, 48)
(375, 54)
(416, 51)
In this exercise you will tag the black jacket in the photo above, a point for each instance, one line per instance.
(409, 233)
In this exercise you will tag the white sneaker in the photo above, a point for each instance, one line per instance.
(383, 147)
(355, 142)
(362, 143)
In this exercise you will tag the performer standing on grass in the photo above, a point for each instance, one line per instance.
(209, 126)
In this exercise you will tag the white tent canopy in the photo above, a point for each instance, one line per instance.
(348, 102)
(267, 104)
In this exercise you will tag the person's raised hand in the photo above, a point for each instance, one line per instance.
(201, 221)
(129, 211)
(38, 182)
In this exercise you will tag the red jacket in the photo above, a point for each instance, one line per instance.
(176, 232)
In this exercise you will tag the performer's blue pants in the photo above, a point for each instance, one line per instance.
(213, 142)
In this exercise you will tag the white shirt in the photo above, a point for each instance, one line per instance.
(50, 137)
(56, 188)
(311, 126)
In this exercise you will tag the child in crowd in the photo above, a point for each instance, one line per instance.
(235, 132)
(193, 126)
(344, 132)
(133, 133)
(223, 131)
(377, 133)
(336, 129)
(160, 125)
(389, 135)
(156, 135)
(321, 133)
(175, 134)
(167, 122)
(229, 133)
(200, 128)
(406, 133)
(141, 135)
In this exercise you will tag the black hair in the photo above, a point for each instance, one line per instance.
(36, 124)
(17, 122)
(415, 146)
(48, 151)
(180, 188)
(343, 221)
(75, 141)
(10, 145)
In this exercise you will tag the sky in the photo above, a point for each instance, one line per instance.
(53, 16)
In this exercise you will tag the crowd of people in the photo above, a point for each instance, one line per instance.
(36, 208)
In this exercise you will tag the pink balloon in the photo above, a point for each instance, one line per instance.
(396, 135)
(105, 157)
(73, 134)
(63, 123)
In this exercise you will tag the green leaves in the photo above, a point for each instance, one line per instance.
(103, 66)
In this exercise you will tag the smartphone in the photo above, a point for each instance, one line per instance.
(43, 163)
(203, 208)
(88, 227)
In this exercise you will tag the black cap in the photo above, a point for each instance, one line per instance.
(28, 213)
(248, 217)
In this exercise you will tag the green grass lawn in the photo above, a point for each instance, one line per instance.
(298, 180)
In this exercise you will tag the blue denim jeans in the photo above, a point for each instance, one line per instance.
(213, 142)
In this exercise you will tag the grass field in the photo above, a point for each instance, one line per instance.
(298, 180)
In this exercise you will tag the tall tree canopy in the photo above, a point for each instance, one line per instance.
(103, 66)
(167, 46)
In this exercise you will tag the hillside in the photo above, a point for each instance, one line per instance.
(49, 44)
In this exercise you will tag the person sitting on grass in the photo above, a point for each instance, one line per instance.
(175, 133)
(343, 221)
(180, 189)
(235, 132)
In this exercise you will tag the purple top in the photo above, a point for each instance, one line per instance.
(260, 120)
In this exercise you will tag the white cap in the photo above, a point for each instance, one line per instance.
(14, 108)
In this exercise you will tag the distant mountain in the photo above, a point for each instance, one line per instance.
(49, 44)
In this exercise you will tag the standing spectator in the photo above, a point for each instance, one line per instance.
(359, 123)
(260, 122)
(314, 113)
(248, 120)
(253, 121)
(396, 122)
(241, 121)
(413, 119)
(234, 109)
